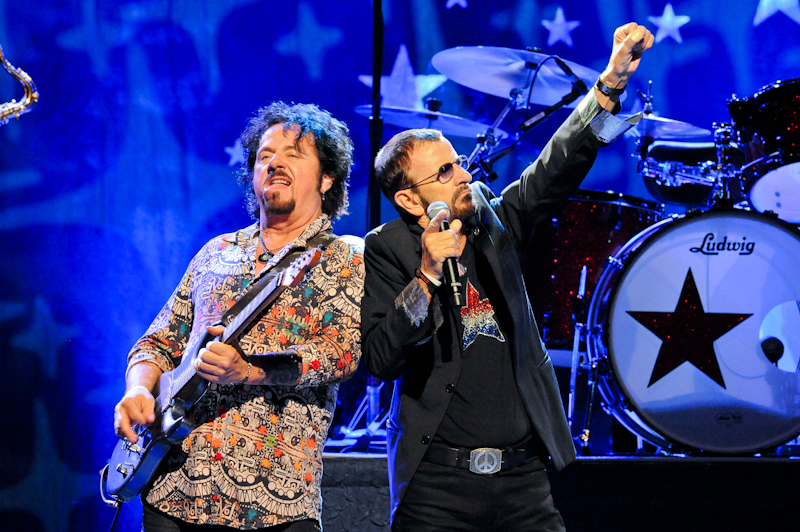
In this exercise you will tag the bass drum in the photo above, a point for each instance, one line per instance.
(693, 327)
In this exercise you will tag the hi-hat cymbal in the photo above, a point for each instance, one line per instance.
(665, 128)
(422, 118)
(498, 71)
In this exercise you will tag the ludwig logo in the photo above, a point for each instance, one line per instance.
(711, 246)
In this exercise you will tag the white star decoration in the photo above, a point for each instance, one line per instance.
(451, 3)
(668, 24)
(767, 8)
(309, 41)
(402, 88)
(560, 28)
(236, 153)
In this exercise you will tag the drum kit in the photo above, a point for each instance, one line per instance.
(687, 325)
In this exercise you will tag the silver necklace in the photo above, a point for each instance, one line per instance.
(264, 257)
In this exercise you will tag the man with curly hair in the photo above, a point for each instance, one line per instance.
(254, 458)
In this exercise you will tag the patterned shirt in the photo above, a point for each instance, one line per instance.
(255, 458)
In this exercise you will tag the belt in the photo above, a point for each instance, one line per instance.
(484, 460)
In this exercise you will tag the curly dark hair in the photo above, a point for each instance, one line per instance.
(331, 139)
(392, 162)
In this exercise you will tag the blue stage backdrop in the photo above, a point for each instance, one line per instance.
(126, 165)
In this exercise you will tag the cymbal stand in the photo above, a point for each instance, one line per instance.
(480, 156)
(643, 143)
(723, 135)
(580, 319)
(487, 140)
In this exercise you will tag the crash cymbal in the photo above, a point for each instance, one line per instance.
(422, 118)
(499, 71)
(664, 128)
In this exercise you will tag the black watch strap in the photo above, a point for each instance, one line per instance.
(608, 91)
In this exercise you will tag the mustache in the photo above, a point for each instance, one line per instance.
(458, 191)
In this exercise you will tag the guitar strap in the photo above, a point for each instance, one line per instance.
(320, 240)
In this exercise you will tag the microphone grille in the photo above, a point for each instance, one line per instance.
(436, 207)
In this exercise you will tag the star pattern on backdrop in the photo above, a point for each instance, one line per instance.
(309, 40)
(688, 334)
(45, 336)
(451, 3)
(95, 36)
(669, 24)
(767, 8)
(560, 28)
(235, 152)
(478, 318)
(403, 88)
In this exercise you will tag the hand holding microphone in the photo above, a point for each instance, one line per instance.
(441, 248)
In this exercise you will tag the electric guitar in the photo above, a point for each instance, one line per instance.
(132, 465)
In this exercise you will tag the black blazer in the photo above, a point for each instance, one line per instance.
(424, 360)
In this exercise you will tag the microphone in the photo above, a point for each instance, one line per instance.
(578, 82)
(449, 267)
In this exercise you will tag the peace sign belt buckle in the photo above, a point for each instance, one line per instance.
(485, 461)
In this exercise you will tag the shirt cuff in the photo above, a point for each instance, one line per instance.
(606, 127)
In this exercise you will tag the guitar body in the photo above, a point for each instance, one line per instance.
(137, 462)
(133, 465)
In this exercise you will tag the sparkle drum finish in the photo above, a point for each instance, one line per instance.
(591, 227)
(677, 323)
(768, 125)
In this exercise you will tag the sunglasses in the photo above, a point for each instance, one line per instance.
(444, 173)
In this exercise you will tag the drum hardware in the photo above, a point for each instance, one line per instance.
(767, 125)
(579, 319)
(372, 436)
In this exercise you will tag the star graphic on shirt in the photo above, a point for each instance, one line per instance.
(688, 334)
(767, 8)
(669, 24)
(560, 28)
(451, 3)
(478, 318)
(309, 40)
(402, 88)
(236, 153)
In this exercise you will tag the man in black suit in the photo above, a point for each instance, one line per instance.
(476, 407)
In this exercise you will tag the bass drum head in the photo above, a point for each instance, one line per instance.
(684, 326)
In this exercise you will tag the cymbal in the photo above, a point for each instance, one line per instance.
(422, 118)
(498, 71)
(664, 128)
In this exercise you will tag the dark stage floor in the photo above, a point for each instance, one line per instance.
(609, 494)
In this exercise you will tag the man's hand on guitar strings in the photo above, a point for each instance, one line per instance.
(136, 406)
(219, 362)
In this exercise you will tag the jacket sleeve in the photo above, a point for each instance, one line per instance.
(560, 168)
(392, 324)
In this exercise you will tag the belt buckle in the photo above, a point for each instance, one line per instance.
(485, 461)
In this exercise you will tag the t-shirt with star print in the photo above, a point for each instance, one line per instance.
(486, 409)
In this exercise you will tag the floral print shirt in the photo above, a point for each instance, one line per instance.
(255, 457)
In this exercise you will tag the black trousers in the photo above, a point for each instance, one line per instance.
(155, 521)
(442, 498)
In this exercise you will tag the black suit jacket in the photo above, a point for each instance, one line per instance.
(424, 360)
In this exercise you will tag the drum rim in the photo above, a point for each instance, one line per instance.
(667, 225)
(617, 198)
